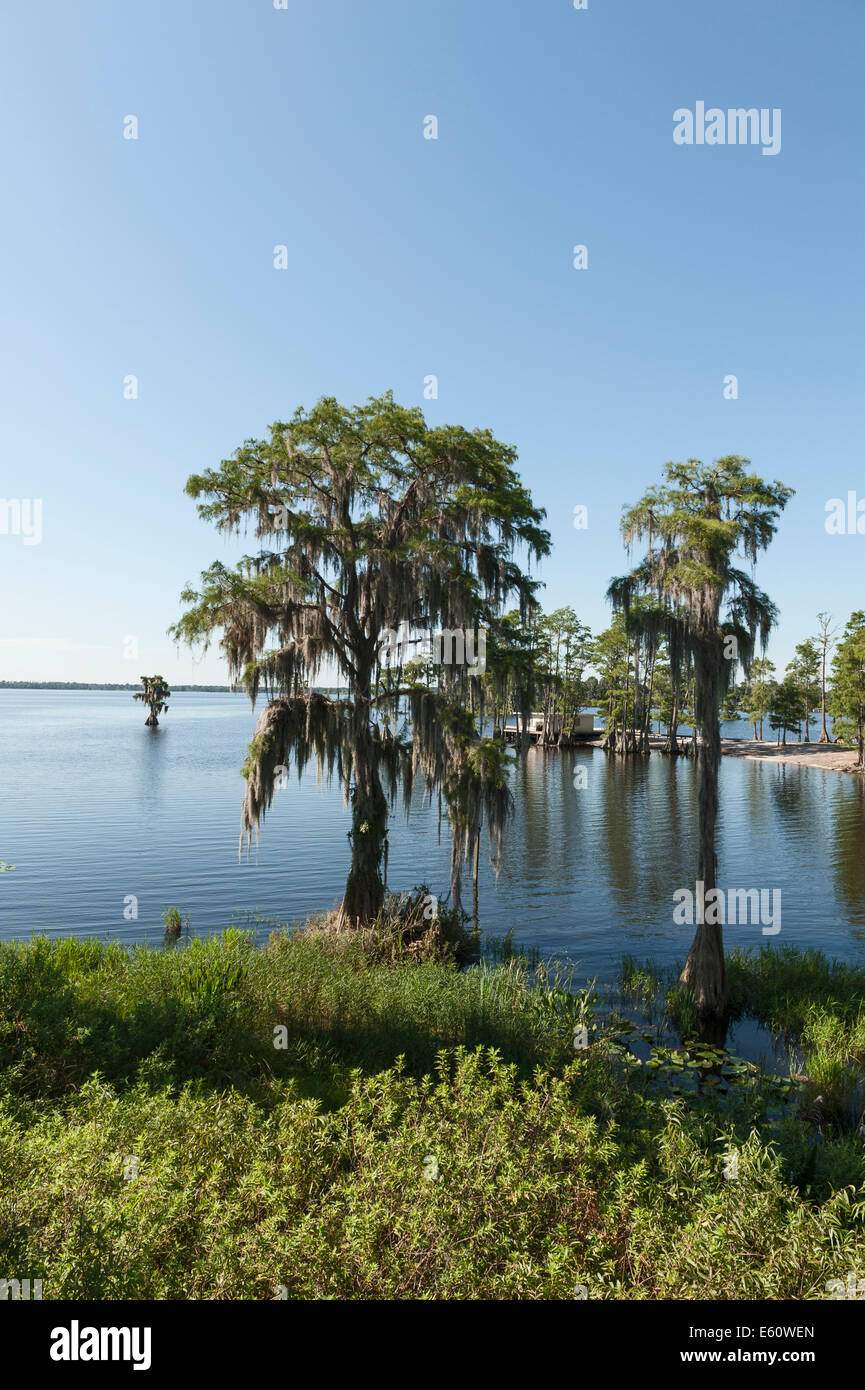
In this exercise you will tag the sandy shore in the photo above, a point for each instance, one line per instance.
(807, 754)
(826, 755)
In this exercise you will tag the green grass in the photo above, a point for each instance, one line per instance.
(779, 985)
(210, 1012)
(421, 1131)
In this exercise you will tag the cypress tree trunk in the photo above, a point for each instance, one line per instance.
(364, 891)
(547, 716)
(647, 723)
(636, 738)
(623, 742)
(525, 719)
(672, 744)
(705, 974)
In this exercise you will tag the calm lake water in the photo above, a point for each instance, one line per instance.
(97, 809)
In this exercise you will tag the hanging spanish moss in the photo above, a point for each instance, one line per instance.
(473, 776)
(291, 733)
(366, 520)
(689, 589)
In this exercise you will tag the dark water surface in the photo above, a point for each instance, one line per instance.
(96, 809)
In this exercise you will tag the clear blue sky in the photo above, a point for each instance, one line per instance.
(407, 257)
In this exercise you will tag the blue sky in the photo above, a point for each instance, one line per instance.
(407, 257)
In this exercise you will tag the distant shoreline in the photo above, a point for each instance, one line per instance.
(826, 755)
(134, 685)
(105, 685)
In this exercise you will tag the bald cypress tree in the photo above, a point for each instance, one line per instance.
(366, 519)
(696, 526)
(154, 696)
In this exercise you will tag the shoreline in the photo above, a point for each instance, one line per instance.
(825, 755)
(829, 756)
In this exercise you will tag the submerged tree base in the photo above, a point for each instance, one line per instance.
(414, 926)
(704, 981)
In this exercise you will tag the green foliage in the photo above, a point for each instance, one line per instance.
(785, 707)
(154, 696)
(211, 983)
(778, 985)
(366, 517)
(804, 672)
(173, 921)
(848, 683)
(426, 1133)
(564, 1007)
(759, 689)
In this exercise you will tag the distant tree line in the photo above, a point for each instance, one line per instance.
(556, 665)
(98, 685)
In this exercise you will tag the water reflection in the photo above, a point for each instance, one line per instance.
(96, 807)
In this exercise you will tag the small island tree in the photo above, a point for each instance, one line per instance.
(154, 696)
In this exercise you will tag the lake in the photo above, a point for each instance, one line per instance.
(97, 810)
